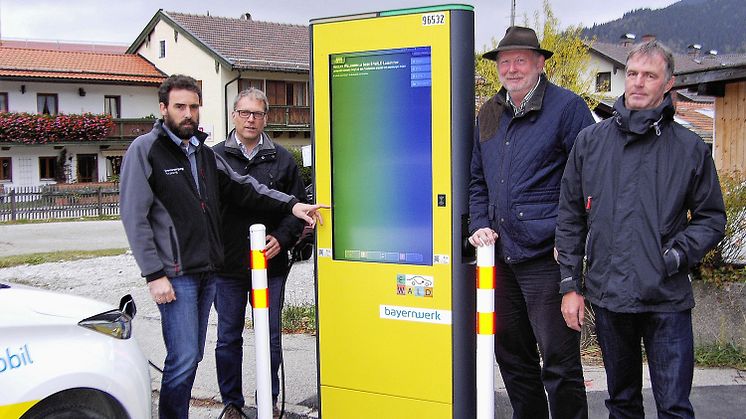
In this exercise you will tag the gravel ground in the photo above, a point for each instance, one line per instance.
(108, 278)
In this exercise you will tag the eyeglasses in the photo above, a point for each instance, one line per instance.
(243, 113)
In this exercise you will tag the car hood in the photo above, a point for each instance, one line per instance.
(23, 305)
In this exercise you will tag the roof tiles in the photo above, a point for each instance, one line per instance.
(250, 44)
(64, 65)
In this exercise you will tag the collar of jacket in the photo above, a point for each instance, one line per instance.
(534, 102)
(231, 145)
(201, 136)
(641, 121)
(492, 110)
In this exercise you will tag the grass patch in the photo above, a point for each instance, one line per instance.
(61, 256)
(299, 319)
(295, 319)
(720, 355)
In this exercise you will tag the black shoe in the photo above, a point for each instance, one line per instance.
(232, 412)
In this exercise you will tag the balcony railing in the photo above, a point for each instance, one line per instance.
(130, 128)
(286, 117)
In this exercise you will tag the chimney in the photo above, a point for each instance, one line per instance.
(693, 50)
(627, 39)
(648, 37)
(246, 16)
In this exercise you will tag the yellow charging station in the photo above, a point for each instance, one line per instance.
(393, 115)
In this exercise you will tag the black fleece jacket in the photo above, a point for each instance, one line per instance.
(274, 167)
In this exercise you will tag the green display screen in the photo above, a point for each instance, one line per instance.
(381, 152)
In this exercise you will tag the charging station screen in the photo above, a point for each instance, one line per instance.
(381, 152)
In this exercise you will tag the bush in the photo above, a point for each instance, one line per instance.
(305, 172)
(718, 265)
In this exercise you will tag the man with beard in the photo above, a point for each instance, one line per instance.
(525, 133)
(171, 188)
(250, 151)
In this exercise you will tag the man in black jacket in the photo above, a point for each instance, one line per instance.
(172, 187)
(250, 151)
(640, 204)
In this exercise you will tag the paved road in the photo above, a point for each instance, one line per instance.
(21, 239)
(717, 393)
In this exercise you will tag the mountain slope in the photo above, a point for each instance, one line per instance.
(714, 24)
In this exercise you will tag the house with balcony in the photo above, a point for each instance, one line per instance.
(227, 55)
(67, 116)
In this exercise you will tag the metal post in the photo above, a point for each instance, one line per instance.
(260, 303)
(13, 204)
(486, 332)
(100, 201)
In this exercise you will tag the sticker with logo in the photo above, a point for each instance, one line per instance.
(415, 285)
(14, 359)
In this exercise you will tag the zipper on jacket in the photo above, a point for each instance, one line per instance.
(174, 253)
(588, 203)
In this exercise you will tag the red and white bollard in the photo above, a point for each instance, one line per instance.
(486, 332)
(260, 304)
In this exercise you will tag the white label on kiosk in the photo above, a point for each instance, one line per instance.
(413, 314)
(325, 253)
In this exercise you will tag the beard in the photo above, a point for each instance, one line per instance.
(184, 130)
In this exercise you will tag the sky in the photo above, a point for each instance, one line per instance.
(120, 22)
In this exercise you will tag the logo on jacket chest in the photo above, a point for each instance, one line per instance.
(174, 171)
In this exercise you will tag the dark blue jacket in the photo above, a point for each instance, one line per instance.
(516, 168)
(640, 204)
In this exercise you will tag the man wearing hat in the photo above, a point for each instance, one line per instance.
(524, 135)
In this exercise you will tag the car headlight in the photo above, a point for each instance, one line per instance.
(113, 323)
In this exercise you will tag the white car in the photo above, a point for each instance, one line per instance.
(69, 357)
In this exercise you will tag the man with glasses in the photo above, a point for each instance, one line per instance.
(171, 192)
(250, 151)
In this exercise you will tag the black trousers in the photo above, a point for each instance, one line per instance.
(527, 306)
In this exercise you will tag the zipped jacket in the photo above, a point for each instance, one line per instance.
(174, 229)
(274, 167)
(516, 168)
(628, 186)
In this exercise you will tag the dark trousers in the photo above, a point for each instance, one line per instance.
(527, 306)
(184, 325)
(669, 346)
(231, 301)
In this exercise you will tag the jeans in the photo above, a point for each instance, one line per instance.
(231, 301)
(669, 346)
(184, 325)
(527, 306)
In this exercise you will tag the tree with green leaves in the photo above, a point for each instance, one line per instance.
(566, 68)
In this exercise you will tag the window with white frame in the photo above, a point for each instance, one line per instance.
(113, 106)
(603, 82)
(4, 102)
(162, 49)
(47, 168)
(6, 169)
(46, 103)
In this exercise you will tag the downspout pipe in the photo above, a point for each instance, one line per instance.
(225, 92)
